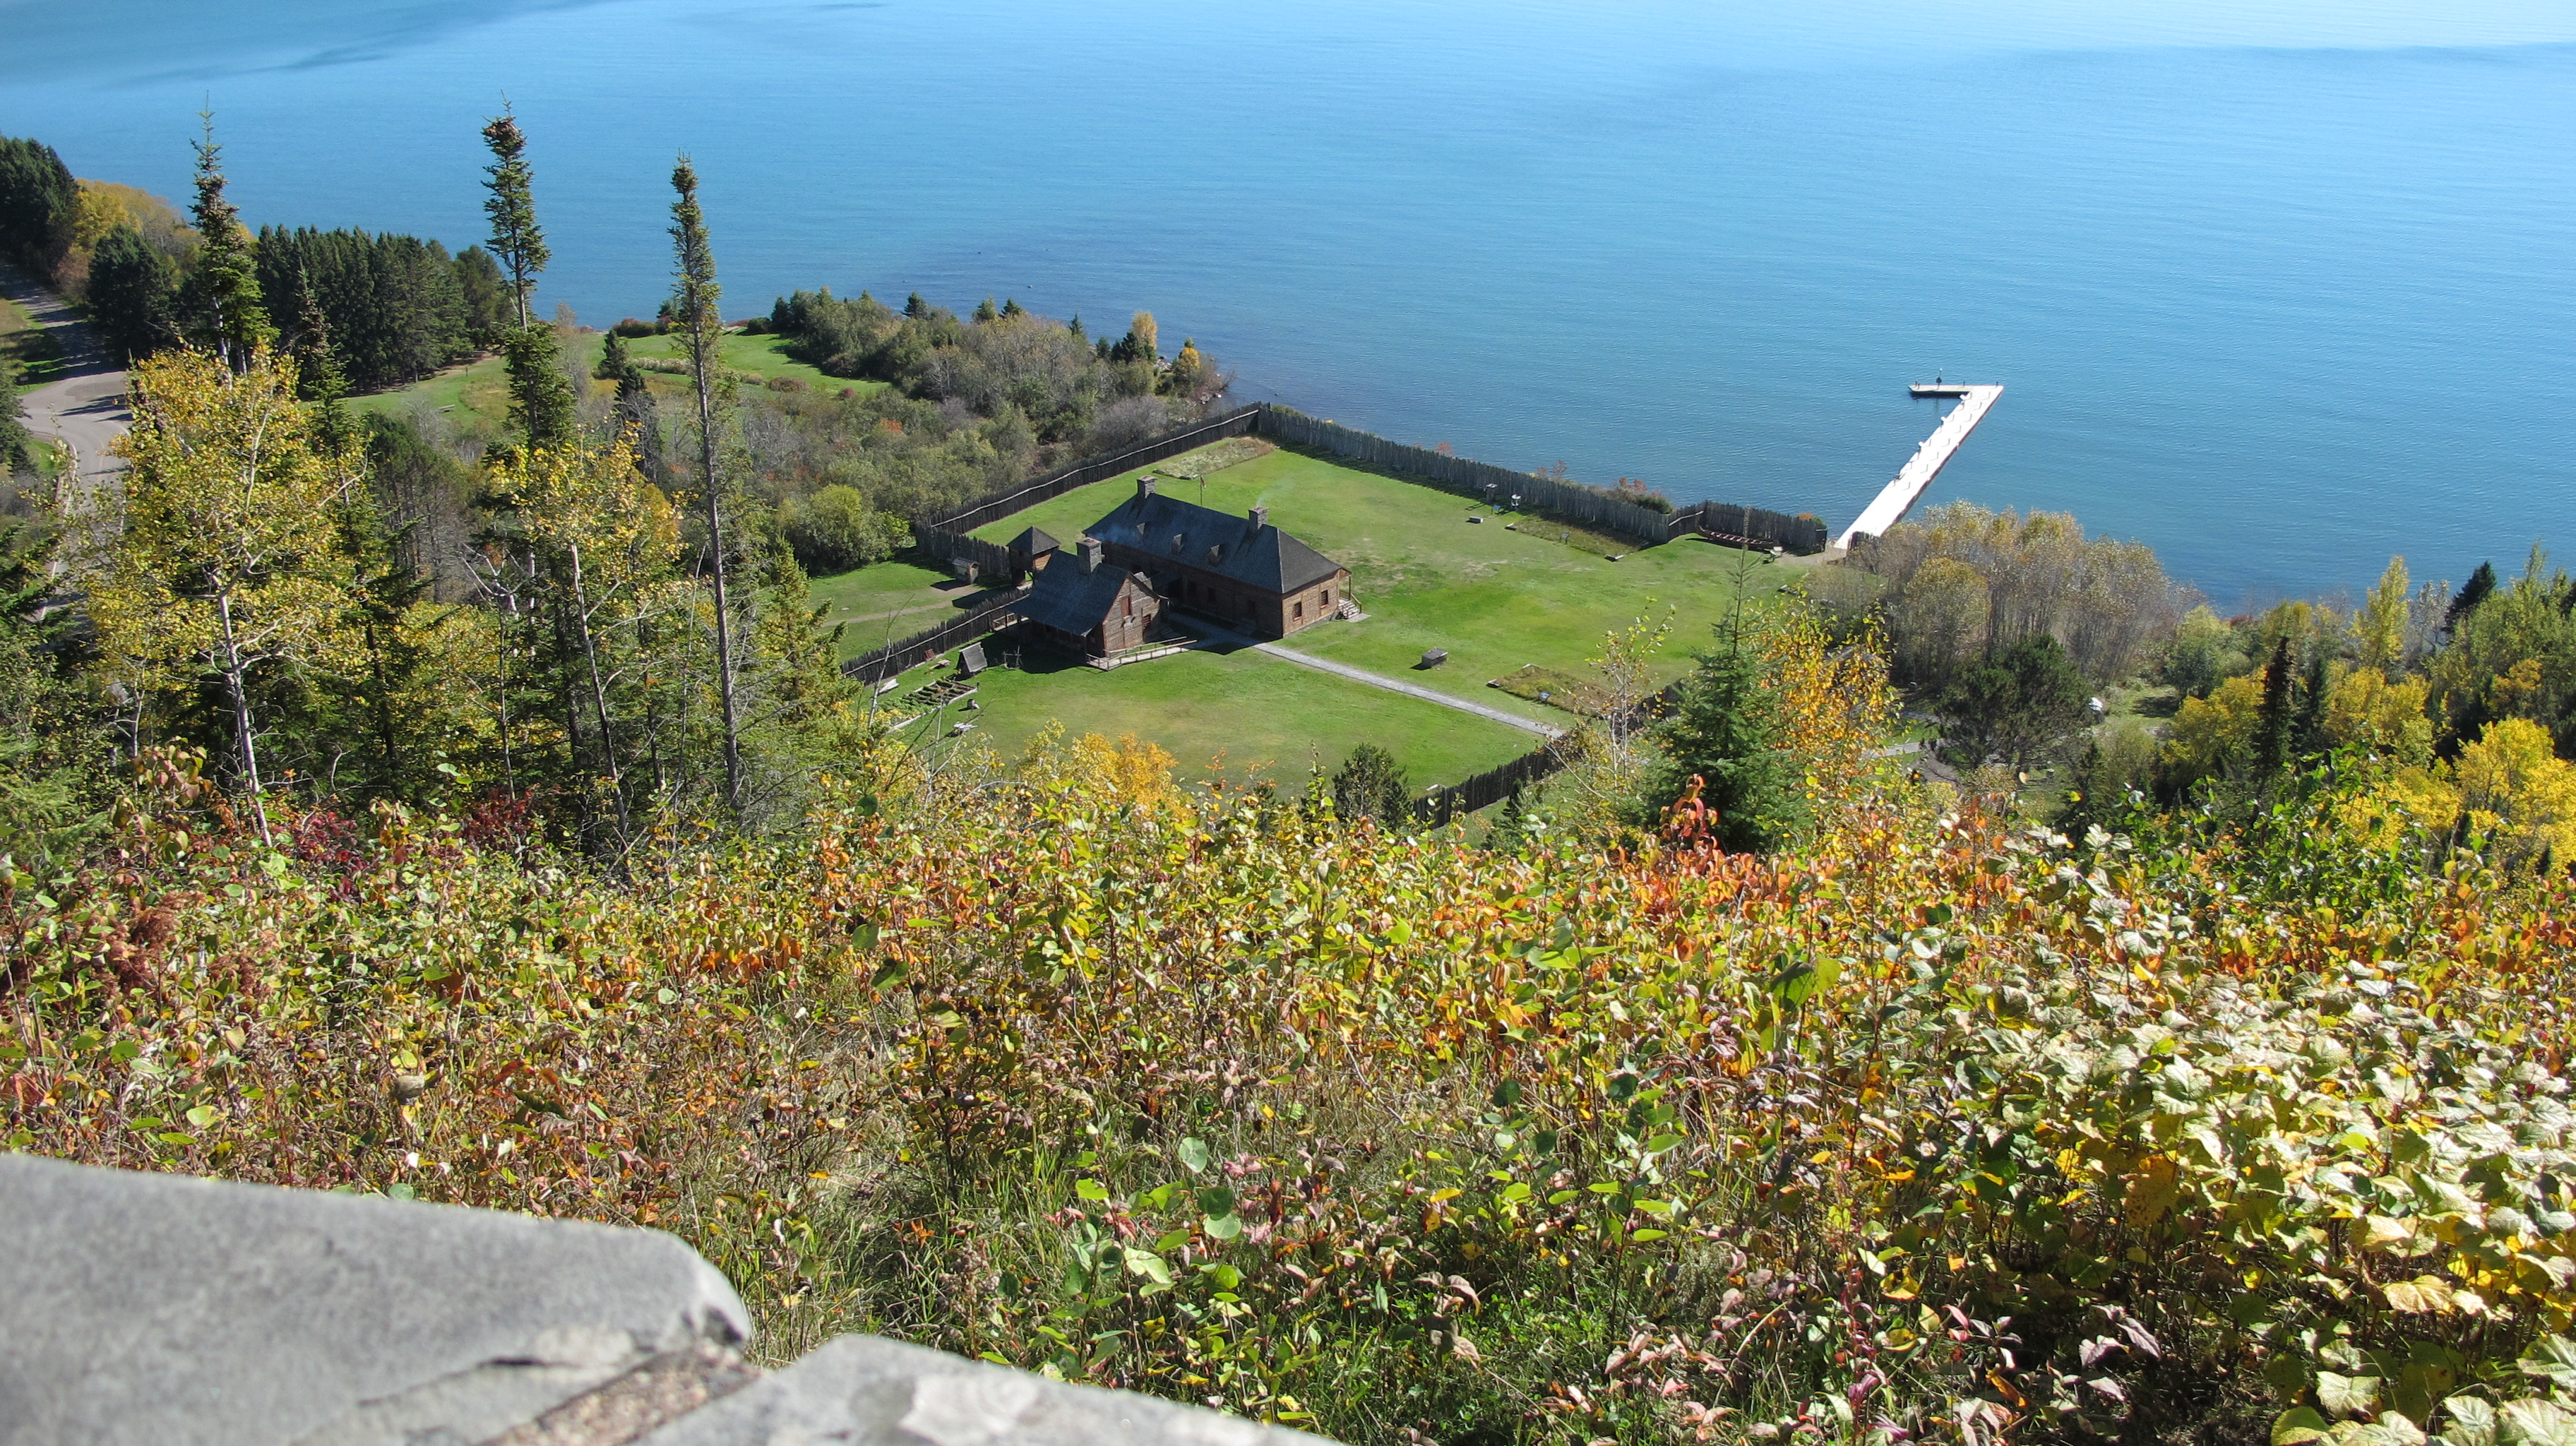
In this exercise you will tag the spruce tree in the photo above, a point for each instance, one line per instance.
(984, 310)
(1724, 731)
(614, 363)
(38, 200)
(1370, 784)
(225, 313)
(694, 304)
(2272, 725)
(541, 401)
(2476, 590)
(133, 290)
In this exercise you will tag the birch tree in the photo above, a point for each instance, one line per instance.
(226, 557)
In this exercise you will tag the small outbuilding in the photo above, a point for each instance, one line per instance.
(1030, 550)
(1089, 606)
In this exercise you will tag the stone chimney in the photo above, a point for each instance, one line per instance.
(1144, 487)
(1260, 518)
(1090, 556)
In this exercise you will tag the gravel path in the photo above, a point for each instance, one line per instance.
(84, 407)
(1374, 680)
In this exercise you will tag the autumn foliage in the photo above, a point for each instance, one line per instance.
(1933, 1126)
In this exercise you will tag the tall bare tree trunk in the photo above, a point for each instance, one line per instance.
(241, 713)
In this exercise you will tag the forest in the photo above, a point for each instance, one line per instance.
(1881, 1043)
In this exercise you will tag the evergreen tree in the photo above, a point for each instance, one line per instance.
(915, 307)
(615, 365)
(2017, 707)
(1011, 308)
(486, 294)
(224, 310)
(518, 242)
(2480, 585)
(541, 400)
(133, 294)
(2272, 724)
(694, 304)
(1511, 830)
(1725, 731)
(1370, 784)
(984, 310)
(38, 200)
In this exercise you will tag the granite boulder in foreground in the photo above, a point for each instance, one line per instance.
(142, 1308)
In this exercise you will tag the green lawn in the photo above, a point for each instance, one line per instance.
(1242, 711)
(1495, 598)
(888, 601)
(477, 387)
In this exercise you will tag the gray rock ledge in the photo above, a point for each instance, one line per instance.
(142, 1309)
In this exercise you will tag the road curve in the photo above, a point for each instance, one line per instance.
(84, 407)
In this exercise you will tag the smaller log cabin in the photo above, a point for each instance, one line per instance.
(1241, 571)
(1088, 606)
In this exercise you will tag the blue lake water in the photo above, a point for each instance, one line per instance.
(2280, 290)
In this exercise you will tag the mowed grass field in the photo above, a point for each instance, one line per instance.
(1494, 598)
(888, 601)
(1237, 713)
(477, 388)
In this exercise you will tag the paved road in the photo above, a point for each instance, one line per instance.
(1374, 680)
(85, 406)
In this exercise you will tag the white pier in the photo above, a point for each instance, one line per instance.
(1899, 496)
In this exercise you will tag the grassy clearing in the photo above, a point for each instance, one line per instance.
(477, 388)
(1496, 598)
(888, 601)
(1232, 712)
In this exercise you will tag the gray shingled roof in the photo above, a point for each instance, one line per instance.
(1033, 543)
(1213, 541)
(1066, 598)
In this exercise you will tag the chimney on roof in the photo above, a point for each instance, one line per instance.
(1090, 556)
(1260, 518)
(1145, 486)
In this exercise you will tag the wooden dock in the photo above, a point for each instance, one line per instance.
(1899, 496)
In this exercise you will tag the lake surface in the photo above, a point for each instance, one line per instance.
(2278, 290)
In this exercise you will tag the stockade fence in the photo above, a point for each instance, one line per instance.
(993, 507)
(993, 562)
(1496, 784)
(989, 615)
(1803, 534)
(1483, 481)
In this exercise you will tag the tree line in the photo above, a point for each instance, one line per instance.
(624, 658)
(2017, 635)
(397, 307)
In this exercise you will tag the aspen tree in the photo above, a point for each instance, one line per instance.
(228, 558)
